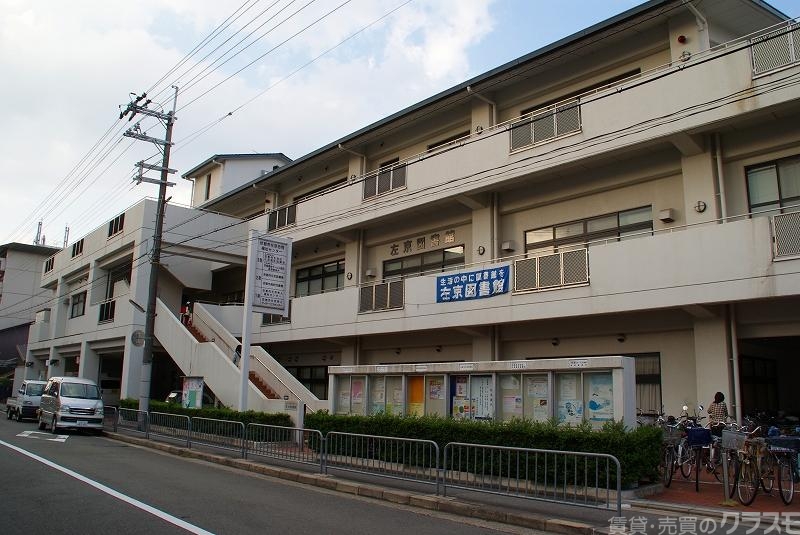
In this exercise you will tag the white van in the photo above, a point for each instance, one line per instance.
(71, 403)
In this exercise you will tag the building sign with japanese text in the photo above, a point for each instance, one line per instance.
(273, 258)
(473, 284)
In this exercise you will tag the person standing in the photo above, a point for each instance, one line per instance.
(718, 414)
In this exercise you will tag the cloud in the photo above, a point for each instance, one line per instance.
(70, 65)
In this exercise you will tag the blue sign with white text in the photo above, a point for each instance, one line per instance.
(472, 285)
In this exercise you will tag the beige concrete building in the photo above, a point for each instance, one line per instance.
(635, 186)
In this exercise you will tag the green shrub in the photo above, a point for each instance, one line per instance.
(637, 450)
(247, 417)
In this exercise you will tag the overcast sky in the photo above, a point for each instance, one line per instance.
(67, 66)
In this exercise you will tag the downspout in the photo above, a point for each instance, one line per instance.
(723, 205)
(486, 100)
(496, 342)
(495, 226)
(702, 23)
(362, 156)
(735, 363)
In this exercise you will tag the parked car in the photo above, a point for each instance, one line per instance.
(26, 403)
(71, 403)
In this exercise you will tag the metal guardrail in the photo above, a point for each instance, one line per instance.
(174, 426)
(576, 478)
(304, 446)
(221, 434)
(391, 457)
(110, 416)
(132, 420)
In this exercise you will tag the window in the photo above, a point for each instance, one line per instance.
(116, 225)
(773, 187)
(77, 248)
(207, 192)
(78, 307)
(556, 238)
(432, 261)
(282, 217)
(449, 141)
(391, 175)
(318, 279)
(49, 264)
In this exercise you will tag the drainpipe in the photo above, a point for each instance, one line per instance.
(702, 23)
(723, 205)
(735, 363)
(486, 100)
(496, 342)
(495, 226)
(362, 156)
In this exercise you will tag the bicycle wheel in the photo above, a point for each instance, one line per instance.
(687, 461)
(786, 480)
(668, 462)
(733, 471)
(747, 482)
(768, 473)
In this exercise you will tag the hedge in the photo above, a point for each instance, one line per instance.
(638, 450)
(247, 417)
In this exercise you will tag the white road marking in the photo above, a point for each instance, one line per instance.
(191, 528)
(50, 437)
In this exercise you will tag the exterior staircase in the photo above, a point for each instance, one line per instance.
(262, 385)
(196, 333)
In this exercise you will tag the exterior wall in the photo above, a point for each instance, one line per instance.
(22, 294)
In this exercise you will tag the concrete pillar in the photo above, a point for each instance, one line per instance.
(699, 185)
(713, 373)
(89, 366)
(56, 369)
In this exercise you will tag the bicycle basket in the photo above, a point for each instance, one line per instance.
(789, 443)
(733, 440)
(672, 435)
(698, 436)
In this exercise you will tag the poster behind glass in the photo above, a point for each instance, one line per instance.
(436, 402)
(377, 394)
(342, 401)
(358, 394)
(511, 396)
(599, 396)
(569, 400)
(536, 396)
(459, 396)
(482, 397)
(394, 395)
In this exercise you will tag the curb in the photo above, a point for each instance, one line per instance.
(422, 501)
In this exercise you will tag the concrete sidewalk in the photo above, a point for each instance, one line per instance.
(653, 502)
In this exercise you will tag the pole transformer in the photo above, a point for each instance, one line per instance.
(155, 256)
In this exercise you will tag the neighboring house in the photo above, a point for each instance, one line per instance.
(223, 173)
(637, 180)
(21, 299)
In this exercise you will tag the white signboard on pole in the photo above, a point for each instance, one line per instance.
(266, 290)
(271, 259)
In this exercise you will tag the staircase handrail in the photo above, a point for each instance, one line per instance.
(221, 333)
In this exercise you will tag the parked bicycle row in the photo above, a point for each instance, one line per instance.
(745, 458)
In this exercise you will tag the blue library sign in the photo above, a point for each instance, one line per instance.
(472, 285)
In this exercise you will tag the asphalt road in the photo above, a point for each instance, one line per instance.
(84, 484)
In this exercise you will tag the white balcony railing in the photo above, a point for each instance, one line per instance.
(381, 296)
(786, 228)
(546, 124)
(559, 270)
(776, 49)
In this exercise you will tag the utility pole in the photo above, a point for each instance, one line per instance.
(168, 119)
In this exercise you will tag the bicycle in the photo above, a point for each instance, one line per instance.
(781, 466)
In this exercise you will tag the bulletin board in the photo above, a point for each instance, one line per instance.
(377, 394)
(536, 396)
(394, 395)
(416, 395)
(358, 395)
(510, 396)
(436, 395)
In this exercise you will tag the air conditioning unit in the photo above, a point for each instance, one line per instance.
(508, 246)
(65, 301)
(371, 272)
(667, 215)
